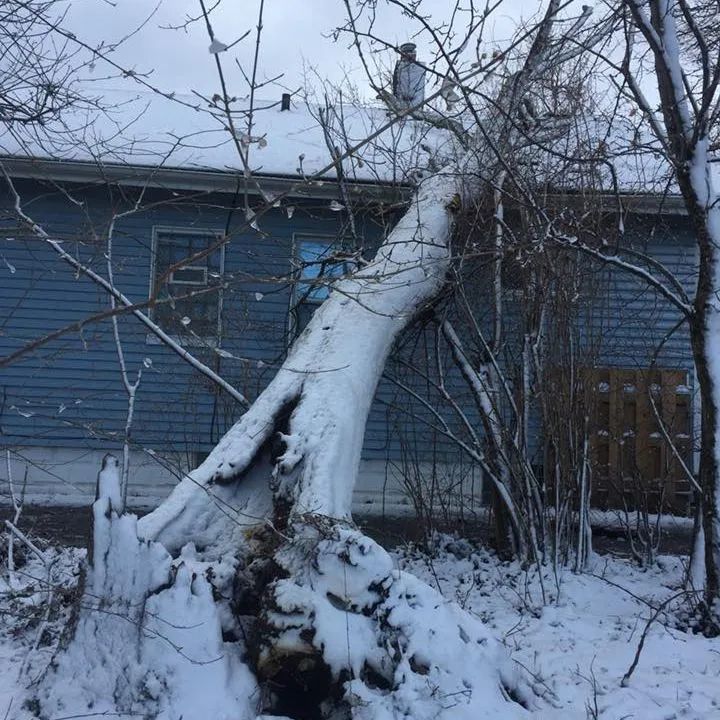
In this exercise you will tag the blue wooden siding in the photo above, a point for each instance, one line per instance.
(69, 393)
(632, 318)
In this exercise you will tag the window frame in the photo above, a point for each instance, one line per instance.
(211, 233)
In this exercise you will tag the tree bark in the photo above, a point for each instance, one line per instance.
(686, 140)
(706, 317)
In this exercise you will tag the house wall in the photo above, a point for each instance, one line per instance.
(632, 319)
(63, 405)
(638, 329)
(621, 319)
(63, 476)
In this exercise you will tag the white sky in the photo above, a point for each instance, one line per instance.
(295, 32)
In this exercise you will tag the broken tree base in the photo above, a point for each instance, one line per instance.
(345, 624)
(148, 639)
(338, 632)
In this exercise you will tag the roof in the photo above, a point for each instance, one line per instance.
(184, 141)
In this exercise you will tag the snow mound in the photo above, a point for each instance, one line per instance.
(149, 636)
(578, 645)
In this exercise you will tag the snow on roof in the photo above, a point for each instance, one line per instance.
(612, 154)
(184, 132)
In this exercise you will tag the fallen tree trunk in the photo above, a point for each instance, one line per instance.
(336, 632)
(320, 398)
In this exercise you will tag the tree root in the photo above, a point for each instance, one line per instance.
(345, 626)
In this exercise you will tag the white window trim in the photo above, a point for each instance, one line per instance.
(172, 279)
(186, 340)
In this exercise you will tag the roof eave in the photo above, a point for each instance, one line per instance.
(193, 179)
(224, 181)
(649, 203)
(635, 202)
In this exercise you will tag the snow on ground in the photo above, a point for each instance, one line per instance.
(577, 646)
(29, 630)
(619, 520)
(582, 642)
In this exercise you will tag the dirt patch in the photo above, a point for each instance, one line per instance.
(71, 526)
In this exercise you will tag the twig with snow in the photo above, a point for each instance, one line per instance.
(17, 502)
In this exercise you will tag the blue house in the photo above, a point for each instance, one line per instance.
(245, 296)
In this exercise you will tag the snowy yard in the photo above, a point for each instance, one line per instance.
(581, 643)
(576, 647)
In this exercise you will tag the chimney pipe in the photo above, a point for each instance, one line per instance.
(408, 77)
(409, 50)
(285, 102)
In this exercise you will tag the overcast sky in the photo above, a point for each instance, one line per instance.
(295, 32)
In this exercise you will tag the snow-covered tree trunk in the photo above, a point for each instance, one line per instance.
(684, 61)
(705, 336)
(320, 398)
(148, 632)
(687, 116)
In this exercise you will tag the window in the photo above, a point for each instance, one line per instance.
(319, 261)
(193, 291)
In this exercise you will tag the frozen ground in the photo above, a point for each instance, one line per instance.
(577, 646)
